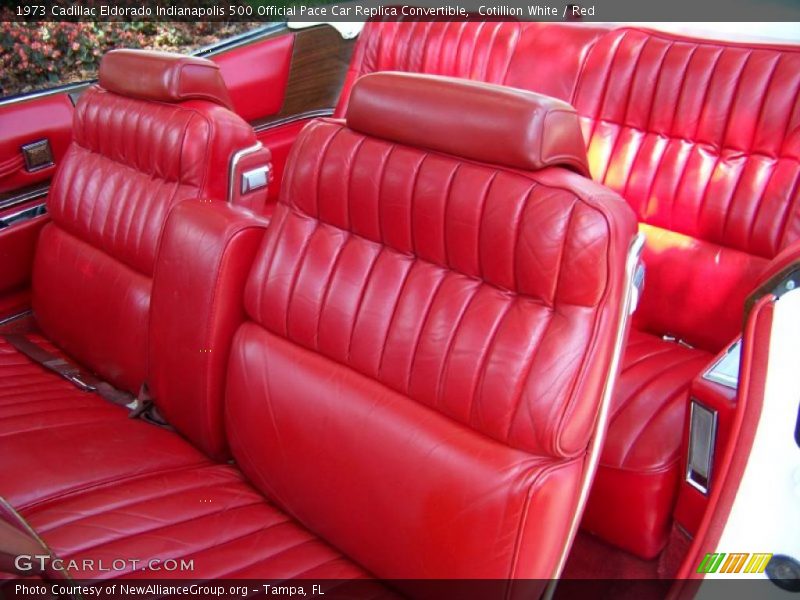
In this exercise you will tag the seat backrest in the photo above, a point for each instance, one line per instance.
(501, 52)
(700, 137)
(431, 323)
(155, 131)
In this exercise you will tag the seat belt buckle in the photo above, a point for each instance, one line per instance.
(75, 378)
(140, 407)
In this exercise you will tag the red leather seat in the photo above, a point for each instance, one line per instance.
(701, 138)
(397, 337)
(156, 131)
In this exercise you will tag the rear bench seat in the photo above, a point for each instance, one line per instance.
(702, 139)
(399, 338)
(150, 141)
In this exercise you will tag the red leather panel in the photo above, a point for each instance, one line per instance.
(256, 75)
(21, 123)
(472, 497)
(162, 77)
(207, 514)
(694, 290)
(206, 254)
(493, 124)
(94, 307)
(641, 458)
(17, 247)
(390, 293)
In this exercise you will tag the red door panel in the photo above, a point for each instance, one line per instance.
(24, 122)
(27, 121)
(256, 75)
(17, 245)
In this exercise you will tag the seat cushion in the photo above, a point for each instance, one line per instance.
(34, 399)
(56, 439)
(207, 514)
(634, 489)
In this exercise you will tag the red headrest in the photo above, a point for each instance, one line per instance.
(479, 121)
(162, 76)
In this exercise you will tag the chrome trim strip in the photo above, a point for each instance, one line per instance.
(25, 197)
(241, 39)
(235, 163)
(26, 214)
(19, 315)
(309, 114)
(596, 445)
(716, 375)
(61, 89)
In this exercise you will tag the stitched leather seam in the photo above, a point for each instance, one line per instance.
(359, 305)
(226, 510)
(483, 364)
(331, 275)
(112, 481)
(447, 355)
(388, 336)
(423, 323)
(150, 499)
(631, 82)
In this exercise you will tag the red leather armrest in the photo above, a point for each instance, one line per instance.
(205, 256)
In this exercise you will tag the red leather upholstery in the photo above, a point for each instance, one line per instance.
(701, 138)
(32, 399)
(162, 77)
(206, 513)
(636, 483)
(17, 249)
(47, 117)
(129, 163)
(206, 253)
(710, 149)
(337, 390)
(256, 75)
(395, 322)
(533, 132)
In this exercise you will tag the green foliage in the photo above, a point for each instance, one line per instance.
(41, 55)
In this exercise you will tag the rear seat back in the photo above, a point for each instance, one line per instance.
(703, 140)
(500, 52)
(700, 137)
(431, 335)
(155, 131)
